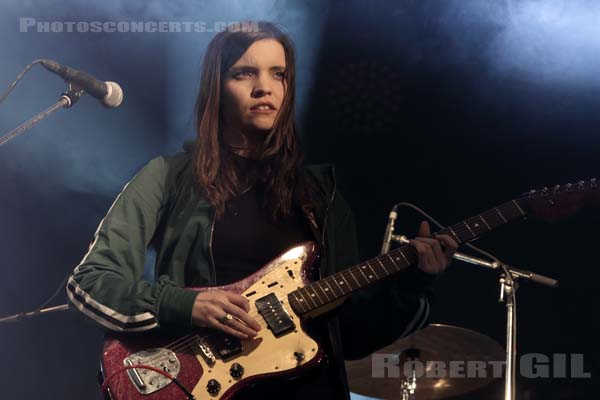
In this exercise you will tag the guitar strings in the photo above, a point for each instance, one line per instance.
(176, 349)
(179, 347)
(188, 340)
(185, 341)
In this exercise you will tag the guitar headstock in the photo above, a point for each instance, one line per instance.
(558, 202)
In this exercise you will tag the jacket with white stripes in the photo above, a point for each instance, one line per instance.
(161, 208)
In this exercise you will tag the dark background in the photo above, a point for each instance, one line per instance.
(456, 106)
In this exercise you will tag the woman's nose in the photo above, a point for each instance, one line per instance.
(261, 88)
(259, 92)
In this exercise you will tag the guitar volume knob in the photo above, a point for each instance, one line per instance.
(213, 386)
(236, 370)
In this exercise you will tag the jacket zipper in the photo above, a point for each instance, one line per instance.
(213, 275)
(334, 343)
(327, 211)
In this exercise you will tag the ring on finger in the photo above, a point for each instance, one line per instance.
(226, 318)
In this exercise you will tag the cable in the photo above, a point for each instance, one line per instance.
(439, 225)
(471, 246)
(60, 287)
(12, 85)
(505, 270)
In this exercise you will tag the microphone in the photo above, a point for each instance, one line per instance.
(389, 231)
(110, 94)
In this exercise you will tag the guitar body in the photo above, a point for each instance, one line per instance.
(200, 358)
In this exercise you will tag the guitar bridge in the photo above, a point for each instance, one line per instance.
(206, 353)
(147, 381)
(272, 311)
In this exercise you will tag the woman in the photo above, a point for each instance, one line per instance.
(230, 203)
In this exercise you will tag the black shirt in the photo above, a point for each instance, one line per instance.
(244, 240)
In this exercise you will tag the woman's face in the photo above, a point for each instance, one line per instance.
(253, 88)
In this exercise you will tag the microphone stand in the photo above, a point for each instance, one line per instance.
(508, 295)
(508, 288)
(24, 315)
(66, 100)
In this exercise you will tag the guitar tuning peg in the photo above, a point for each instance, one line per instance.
(530, 194)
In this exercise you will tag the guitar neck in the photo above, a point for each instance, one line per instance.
(317, 297)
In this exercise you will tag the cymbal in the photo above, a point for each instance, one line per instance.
(446, 361)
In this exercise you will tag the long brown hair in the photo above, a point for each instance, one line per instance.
(281, 153)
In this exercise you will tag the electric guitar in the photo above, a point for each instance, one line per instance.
(209, 364)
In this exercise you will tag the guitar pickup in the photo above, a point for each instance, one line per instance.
(277, 319)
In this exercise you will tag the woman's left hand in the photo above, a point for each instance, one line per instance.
(433, 259)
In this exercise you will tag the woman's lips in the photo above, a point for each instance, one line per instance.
(267, 111)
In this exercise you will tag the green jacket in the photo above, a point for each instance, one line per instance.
(160, 207)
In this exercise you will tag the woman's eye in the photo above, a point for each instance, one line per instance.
(246, 74)
(243, 74)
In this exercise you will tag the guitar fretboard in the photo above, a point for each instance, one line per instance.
(317, 295)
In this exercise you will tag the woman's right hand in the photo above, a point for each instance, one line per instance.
(212, 307)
